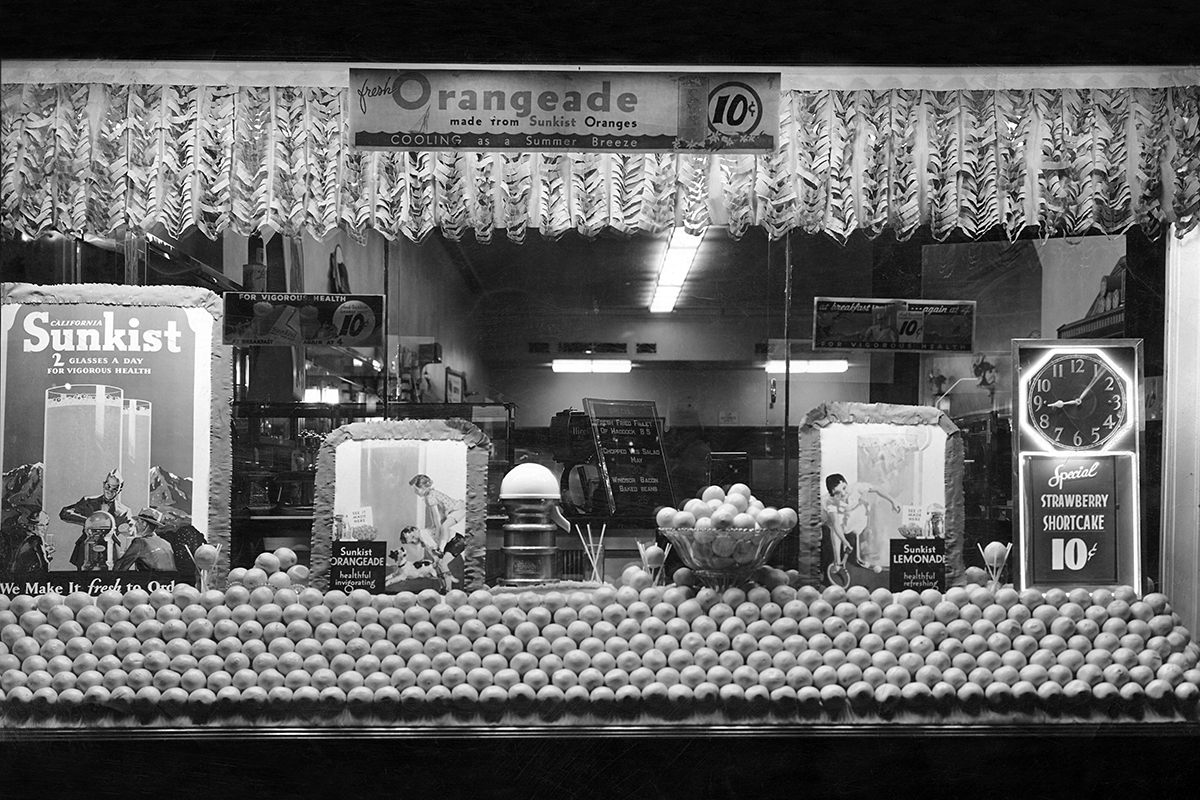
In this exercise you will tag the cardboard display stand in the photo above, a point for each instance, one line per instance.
(401, 505)
(898, 500)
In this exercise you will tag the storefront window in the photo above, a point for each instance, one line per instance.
(727, 424)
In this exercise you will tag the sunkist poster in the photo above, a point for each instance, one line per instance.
(105, 411)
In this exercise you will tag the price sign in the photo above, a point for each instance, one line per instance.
(1073, 507)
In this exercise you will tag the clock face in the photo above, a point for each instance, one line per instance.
(1077, 402)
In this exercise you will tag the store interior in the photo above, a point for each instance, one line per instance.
(497, 315)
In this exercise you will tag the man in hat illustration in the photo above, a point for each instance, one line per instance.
(148, 551)
(33, 554)
(108, 500)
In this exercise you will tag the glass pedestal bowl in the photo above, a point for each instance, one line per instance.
(726, 557)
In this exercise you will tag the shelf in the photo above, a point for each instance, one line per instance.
(249, 409)
(278, 517)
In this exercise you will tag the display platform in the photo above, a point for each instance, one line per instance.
(629, 659)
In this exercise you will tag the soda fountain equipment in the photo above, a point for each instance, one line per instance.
(530, 495)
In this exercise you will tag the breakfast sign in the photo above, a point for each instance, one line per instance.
(908, 326)
(269, 318)
(599, 112)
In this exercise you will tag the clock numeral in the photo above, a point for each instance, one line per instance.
(1095, 435)
(1058, 432)
(1078, 440)
(1110, 423)
(1057, 370)
(1043, 384)
(1044, 421)
(1037, 402)
(1110, 384)
(1116, 401)
(1077, 365)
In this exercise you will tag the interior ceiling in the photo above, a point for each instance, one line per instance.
(775, 32)
(610, 274)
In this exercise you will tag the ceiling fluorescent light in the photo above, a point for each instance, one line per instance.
(611, 365)
(571, 365)
(675, 267)
(775, 367)
(673, 271)
(832, 365)
(682, 240)
(664, 298)
(619, 365)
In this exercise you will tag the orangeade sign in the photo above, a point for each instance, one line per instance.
(421, 109)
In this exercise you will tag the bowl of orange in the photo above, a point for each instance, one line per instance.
(723, 557)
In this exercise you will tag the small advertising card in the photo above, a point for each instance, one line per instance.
(358, 565)
(918, 564)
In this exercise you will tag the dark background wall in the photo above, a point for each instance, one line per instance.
(774, 32)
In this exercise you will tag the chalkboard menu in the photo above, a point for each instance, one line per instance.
(628, 437)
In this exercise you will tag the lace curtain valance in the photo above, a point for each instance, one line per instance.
(109, 158)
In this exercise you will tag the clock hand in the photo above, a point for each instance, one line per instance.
(1087, 389)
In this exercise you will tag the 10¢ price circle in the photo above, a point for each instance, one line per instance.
(734, 109)
(354, 321)
(910, 326)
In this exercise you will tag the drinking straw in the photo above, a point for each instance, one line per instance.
(587, 549)
(599, 574)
